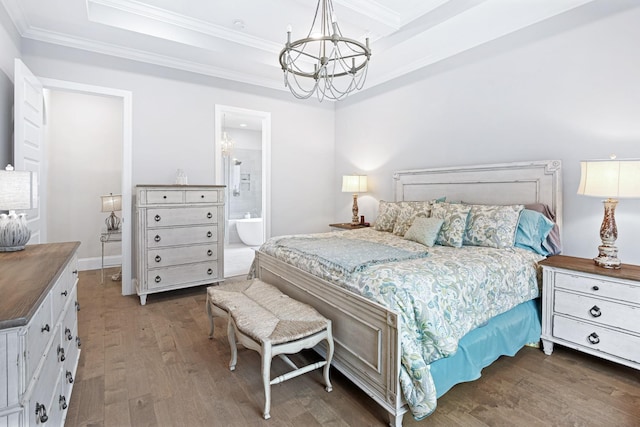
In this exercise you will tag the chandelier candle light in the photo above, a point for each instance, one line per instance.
(18, 190)
(354, 184)
(324, 62)
(612, 178)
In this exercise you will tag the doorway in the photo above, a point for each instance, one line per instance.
(243, 165)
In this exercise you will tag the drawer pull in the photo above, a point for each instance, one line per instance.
(595, 288)
(78, 342)
(64, 294)
(594, 338)
(70, 377)
(158, 258)
(67, 332)
(209, 234)
(164, 197)
(209, 252)
(157, 218)
(157, 238)
(209, 215)
(41, 413)
(595, 311)
(45, 328)
(158, 279)
(63, 402)
(202, 196)
(209, 272)
(77, 306)
(61, 354)
(75, 271)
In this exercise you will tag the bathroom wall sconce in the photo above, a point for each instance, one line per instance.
(354, 184)
(18, 190)
(112, 203)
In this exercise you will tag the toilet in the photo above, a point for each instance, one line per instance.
(250, 231)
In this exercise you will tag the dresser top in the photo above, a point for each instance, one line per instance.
(585, 265)
(25, 278)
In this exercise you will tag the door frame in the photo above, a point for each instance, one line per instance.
(127, 164)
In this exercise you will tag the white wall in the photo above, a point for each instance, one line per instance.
(9, 50)
(84, 154)
(173, 127)
(566, 95)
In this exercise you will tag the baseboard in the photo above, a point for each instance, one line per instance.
(95, 263)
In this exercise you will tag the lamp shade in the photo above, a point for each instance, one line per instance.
(612, 178)
(111, 202)
(354, 183)
(18, 189)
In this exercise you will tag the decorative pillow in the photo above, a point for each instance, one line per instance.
(424, 230)
(493, 226)
(410, 211)
(552, 244)
(455, 222)
(533, 230)
(387, 213)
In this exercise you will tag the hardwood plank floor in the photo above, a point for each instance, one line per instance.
(154, 365)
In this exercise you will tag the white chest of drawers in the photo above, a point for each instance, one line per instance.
(39, 344)
(179, 237)
(592, 309)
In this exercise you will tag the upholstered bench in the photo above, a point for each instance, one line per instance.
(262, 318)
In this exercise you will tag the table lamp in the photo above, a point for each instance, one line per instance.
(354, 184)
(18, 190)
(112, 203)
(611, 178)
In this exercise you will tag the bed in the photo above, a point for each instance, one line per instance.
(372, 348)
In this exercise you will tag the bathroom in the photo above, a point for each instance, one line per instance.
(243, 169)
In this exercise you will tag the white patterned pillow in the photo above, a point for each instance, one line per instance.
(387, 214)
(409, 211)
(493, 226)
(424, 230)
(455, 223)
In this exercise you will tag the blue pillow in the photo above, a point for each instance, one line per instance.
(533, 229)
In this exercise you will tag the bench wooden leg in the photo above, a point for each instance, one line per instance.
(210, 314)
(231, 335)
(266, 377)
(329, 357)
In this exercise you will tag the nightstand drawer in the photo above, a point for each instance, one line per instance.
(597, 338)
(598, 287)
(599, 311)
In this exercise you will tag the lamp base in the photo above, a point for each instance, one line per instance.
(112, 222)
(608, 251)
(14, 233)
(607, 257)
(354, 210)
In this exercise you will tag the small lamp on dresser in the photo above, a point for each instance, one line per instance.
(112, 203)
(354, 184)
(611, 178)
(18, 190)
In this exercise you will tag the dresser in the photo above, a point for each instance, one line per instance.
(591, 309)
(179, 237)
(39, 344)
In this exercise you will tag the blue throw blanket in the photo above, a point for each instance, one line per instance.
(350, 255)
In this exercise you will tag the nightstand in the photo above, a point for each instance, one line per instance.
(591, 309)
(347, 226)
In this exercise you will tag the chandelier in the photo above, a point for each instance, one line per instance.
(324, 62)
(226, 143)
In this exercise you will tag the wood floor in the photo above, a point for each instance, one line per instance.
(155, 366)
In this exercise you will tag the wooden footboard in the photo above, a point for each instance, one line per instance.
(367, 346)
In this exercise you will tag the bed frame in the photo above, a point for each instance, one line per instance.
(367, 347)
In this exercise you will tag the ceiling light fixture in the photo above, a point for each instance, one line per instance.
(325, 62)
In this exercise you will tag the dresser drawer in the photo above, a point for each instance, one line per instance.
(598, 338)
(203, 196)
(165, 257)
(170, 276)
(44, 389)
(69, 328)
(164, 196)
(599, 311)
(61, 291)
(181, 236)
(598, 287)
(170, 217)
(39, 332)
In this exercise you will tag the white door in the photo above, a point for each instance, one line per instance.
(28, 149)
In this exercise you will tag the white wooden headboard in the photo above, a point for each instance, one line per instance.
(500, 184)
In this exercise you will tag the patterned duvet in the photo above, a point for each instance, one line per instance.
(439, 298)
